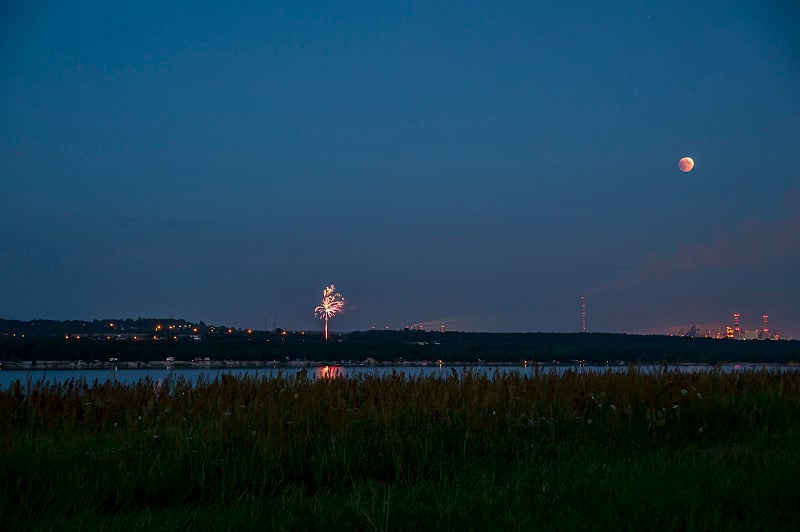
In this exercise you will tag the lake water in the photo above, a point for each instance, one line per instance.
(131, 376)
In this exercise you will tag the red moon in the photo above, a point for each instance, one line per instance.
(686, 164)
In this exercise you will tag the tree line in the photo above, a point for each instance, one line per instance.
(401, 346)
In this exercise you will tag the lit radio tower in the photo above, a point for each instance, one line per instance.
(583, 314)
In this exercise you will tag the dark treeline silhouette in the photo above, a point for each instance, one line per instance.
(99, 327)
(149, 339)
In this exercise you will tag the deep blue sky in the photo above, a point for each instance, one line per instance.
(477, 164)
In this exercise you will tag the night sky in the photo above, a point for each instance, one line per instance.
(475, 164)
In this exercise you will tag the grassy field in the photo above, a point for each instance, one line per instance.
(578, 451)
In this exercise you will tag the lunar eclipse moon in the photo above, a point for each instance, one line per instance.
(686, 164)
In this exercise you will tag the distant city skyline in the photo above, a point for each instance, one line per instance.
(747, 330)
(480, 166)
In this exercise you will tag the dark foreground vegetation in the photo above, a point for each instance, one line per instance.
(612, 451)
(92, 342)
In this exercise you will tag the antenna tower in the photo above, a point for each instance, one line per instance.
(583, 314)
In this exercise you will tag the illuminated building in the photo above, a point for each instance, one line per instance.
(753, 334)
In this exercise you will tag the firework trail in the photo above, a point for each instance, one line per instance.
(332, 302)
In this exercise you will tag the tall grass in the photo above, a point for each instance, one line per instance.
(388, 451)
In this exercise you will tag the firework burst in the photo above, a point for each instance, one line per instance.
(332, 302)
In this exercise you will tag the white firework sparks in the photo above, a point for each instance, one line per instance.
(332, 302)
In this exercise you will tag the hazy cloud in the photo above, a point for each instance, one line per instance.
(753, 243)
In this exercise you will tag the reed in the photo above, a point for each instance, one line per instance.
(679, 449)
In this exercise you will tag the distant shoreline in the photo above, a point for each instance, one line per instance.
(295, 364)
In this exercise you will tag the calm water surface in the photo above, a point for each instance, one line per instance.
(131, 376)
